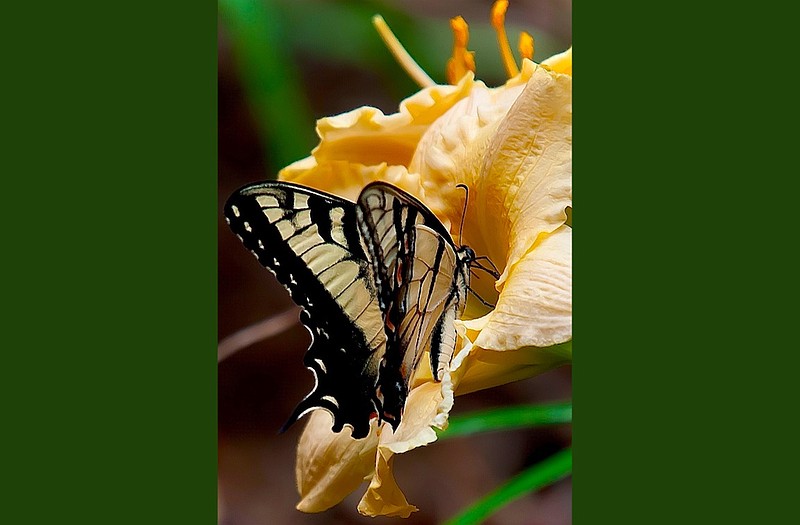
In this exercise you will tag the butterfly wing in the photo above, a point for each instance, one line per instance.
(422, 281)
(433, 298)
(311, 242)
(387, 217)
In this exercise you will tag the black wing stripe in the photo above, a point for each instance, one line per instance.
(443, 340)
(380, 281)
(413, 287)
(276, 216)
(431, 291)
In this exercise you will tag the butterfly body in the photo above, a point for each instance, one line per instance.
(380, 282)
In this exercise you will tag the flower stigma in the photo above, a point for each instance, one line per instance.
(400, 54)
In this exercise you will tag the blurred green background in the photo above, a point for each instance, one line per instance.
(282, 65)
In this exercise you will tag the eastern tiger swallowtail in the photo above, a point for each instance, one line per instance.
(380, 282)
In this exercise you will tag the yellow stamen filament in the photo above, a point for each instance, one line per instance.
(462, 60)
(498, 22)
(526, 45)
(400, 54)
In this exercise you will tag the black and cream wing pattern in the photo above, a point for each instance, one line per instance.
(380, 283)
(422, 278)
(310, 241)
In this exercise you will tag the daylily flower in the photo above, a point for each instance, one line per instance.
(512, 147)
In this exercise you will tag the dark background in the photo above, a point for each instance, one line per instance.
(260, 385)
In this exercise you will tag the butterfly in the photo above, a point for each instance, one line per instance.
(380, 283)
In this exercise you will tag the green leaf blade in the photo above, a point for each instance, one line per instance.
(555, 468)
(509, 418)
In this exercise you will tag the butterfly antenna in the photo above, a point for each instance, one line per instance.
(485, 303)
(493, 271)
(482, 257)
(473, 273)
(464, 212)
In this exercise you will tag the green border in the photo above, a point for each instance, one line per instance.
(109, 376)
(675, 392)
(627, 318)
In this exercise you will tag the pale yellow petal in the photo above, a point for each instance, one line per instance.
(561, 63)
(525, 73)
(424, 404)
(331, 465)
(452, 150)
(535, 306)
(347, 179)
(384, 497)
(367, 136)
(427, 406)
(512, 146)
(489, 368)
(526, 177)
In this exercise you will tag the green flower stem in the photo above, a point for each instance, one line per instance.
(508, 418)
(544, 473)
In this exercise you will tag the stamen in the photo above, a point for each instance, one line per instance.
(400, 54)
(462, 60)
(526, 45)
(498, 22)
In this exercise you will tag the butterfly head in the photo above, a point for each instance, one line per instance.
(466, 255)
